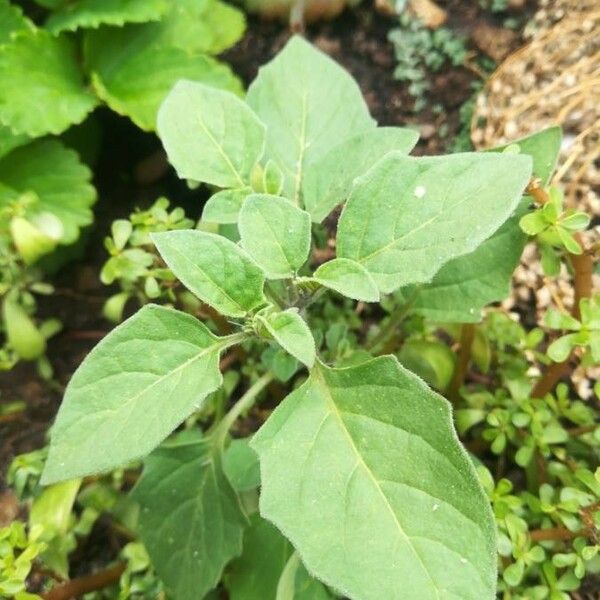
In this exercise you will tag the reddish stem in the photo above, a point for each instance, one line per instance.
(84, 585)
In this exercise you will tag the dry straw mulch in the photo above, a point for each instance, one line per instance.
(553, 80)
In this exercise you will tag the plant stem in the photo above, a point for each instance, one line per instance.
(556, 534)
(83, 585)
(583, 268)
(241, 406)
(467, 335)
(395, 319)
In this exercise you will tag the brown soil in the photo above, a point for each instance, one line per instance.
(358, 40)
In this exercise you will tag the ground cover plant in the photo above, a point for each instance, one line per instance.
(327, 332)
(125, 54)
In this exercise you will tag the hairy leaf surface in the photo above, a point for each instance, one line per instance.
(93, 13)
(275, 233)
(133, 389)
(362, 470)
(348, 278)
(408, 216)
(292, 333)
(218, 271)
(309, 104)
(329, 180)
(59, 180)
(42, 87)
(191, 521)
(465, 285)
(210, 135)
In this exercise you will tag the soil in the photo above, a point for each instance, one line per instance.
(358, 40)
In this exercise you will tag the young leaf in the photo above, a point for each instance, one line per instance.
(21, 332)
(408, 216)
(275, 233)
(12, 20)
(329, 180)
(255, 574)
(210, 135)
(465, 285)
(292, 333)
(543, 147)
(60, 181)
(133, 389)
(190, 522)
(296, 583)
(224, 206)
(362, 471)
(348, 278)
(93, 13)
(309, 104)
(42, 89)
(119, 60)
(218, 271)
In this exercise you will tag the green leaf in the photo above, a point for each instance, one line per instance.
(12, 21)
(224, 206)
(292, 333)
(329, 180)
(408, 216)
(275, 233)
(210, 135)
(432, 361)
(348, 278)
(21, 332)
(59, 180)
(240, 464)
(560, 349)
(216, 270)
(309, 104)
(93, 13)
(190, 521)
(543, 147)
(133, 73)
(255, 574)
(41, 85)
(9, 140)
(52, 508)
(297, 584)
(465, 285)
(133, 389)
(362, 471)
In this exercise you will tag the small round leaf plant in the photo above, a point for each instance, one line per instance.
(365, 490)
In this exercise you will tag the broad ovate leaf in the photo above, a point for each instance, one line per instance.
(133, 389)
(256, 573)
(329, 180)
(133, 74)
(42, 88)
(348, 278)
(58, 179)
(224, 206)
(309, 105)
(362, 471)
(408, 216)
(210, 135)
(292, 333)
(93, 13)
(544, 149)
(275, 233)
(465, 285)
(190, 520)
(215, 269)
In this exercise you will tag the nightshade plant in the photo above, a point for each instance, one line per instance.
(361, 471)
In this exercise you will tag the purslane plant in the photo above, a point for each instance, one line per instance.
(360, 467)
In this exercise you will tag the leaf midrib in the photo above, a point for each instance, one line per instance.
(322, 384)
